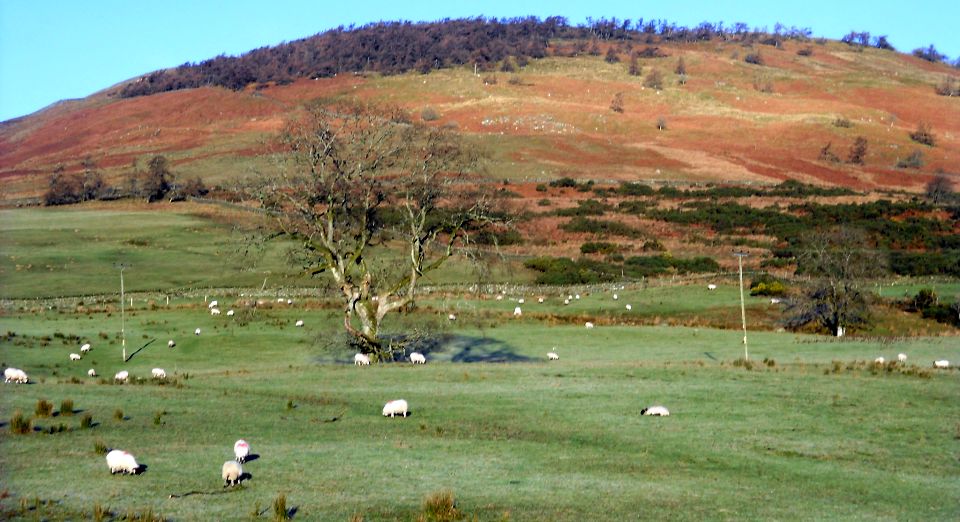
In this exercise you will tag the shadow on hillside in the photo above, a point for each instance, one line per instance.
(482, 349)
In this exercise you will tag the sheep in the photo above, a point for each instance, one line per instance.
(213, 304)
(85, 348)
(452, 317)
(15, 375)
(588, 325)
(21, 377)
(280, 300)
(774, 300)
(615, 297)
(520, 301)
(121, 376)
(231, 473)
(540, 300)
(75, 357)
(517, 312)
(91, 372)
(215, 311)
(879, 360)
(566, 301)
(901, 357)
(120, 461)
(361, 360)
(576, 296)
(711, 286)
(299, 323)
(394, 408)
(196, 332)
(158, 373)
(289, 301)
(241, 449)
(656, 411)
(499, 298)
(569, 297)
(629, 307)
(230, 313)
(942, 364)
(840, 331)
(552, 356)
(418, 358)
(171, 343)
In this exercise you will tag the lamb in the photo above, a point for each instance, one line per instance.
(901, 357)
(75, 357)
(656, 411)
(241, 449)
(552, 356)
(171, 344)
(941, 364)
(91, 372)
(361, 360)
(879, 360)
(394, 408)
(215, 311)
(196, 332)
(120, 461)
(230, 313)
(85, 348)
(213, 304)
(517, 312)
(711, 286)
(299, 323)
(589, 325)
(231, 473)
(418, 358)
(121, 376)
(158, 373)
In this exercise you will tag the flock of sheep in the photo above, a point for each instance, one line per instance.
(120, 461)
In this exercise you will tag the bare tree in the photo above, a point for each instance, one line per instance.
(858, 151)
(354, 177)
(837, 261)
(616, 104)
(939, 189)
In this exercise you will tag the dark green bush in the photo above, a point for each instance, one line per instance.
(599, 247)
(587, 207)
(635, 189)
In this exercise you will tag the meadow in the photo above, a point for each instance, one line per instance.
(809, 428)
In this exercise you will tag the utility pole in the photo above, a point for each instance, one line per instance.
(123, 333)
(743, 309)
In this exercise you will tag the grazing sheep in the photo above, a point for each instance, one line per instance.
(85, 348)
(879, 360)
(231, 473)
(499, 298)
(21, 377)
(656, 411)
(566, 301)
(91, 372)
(299, 323)
(615, 297)
(289, 301)
(942, 364)
(394, 408)
(215, 311)
(15, 375)
(576, 296)
(361, 360)
(774, 300)
(569, 297)
(196, 332)
(158, 373)
(241, 449)
(121, 376)
(902, 357)
(120, 461)
(418, 358)
(540, 300)
(520, 301)
(452, 317)
(280, 300)
(213, 304)
(711, 286)
(552, 356)
(517, 312)
(589, 324)
(629, 307)
(171, 344)
(230, 313)
(75, 357)
(840, 331)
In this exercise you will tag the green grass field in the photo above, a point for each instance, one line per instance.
(815, 432)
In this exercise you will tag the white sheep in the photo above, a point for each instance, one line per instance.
(91, 372)
(394, 408)
(21, 377)
(85, 348)
(711, 286)
(121, 376)
(540, 300)
(418, 358)
(901, 357)
(656, 411)
(299, 323)
(588, 325)
(840, 331)
(942, 364)
(280, 300)
(14, 375)
(230, 313)
(576, 296)
(569, 297)
(241, 449)
(213, 304)
(289, 301)
(879, 360)
(615, 297)
(120, 461)
(520, 301)
(171, 343)
(231, 473)
(75, 357)
(361, 359)
(629, 307)
(196, 332)
(566, 301)
(452, 317)
(215, 311)
(517, 312)
(774, 300)
(499, 298)
(552, 356)
(158, 373)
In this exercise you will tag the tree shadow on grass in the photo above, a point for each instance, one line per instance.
(468, 349)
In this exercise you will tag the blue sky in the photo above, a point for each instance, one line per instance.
(52, 50)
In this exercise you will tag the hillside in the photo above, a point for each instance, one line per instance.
(731, 121)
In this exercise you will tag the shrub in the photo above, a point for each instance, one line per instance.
(601, 227)
(842, 122)
(564, 182)
(44, 408)
(118, 414)
(429, 114)
(280, 511)
(764, 85)
(948, 87)
(654, 80)
(86, 421)
(827, 155)
(441, 507)
(490, 80)
(652, 245)
(913, 161)
(923, 135)
(544, 202)
(806, 51)
(541, 187)
(100, 448)
(588, 207)
(66, 407)
(858, 151)
(19, 424)
(768, 288)
(635, 189)
(616, 104)
(599, 247)
(754, 58)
